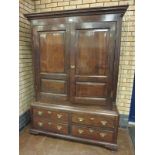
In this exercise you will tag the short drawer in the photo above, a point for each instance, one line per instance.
(49, 114)
(38, 112)
(48, 125)
(94, 120)
(60, 116)
(90, 133)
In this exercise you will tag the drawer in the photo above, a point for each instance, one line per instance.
(50, 126)
(37, 112)
(60, 116)
(95, 120)
(94, 134)
(49, 114)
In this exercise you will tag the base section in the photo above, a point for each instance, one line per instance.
(68, 137)
(92, 125)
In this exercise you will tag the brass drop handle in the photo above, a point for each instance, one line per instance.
(40, 124)
(59, 115)
(103, 122)
(59, 127)
(72, 66)
(80, 131)
(102, 134)
(40, 113)
(49, 123)
(91, 131)
(80, 119)
(49, 112)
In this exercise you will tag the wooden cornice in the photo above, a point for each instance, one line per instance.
(79, 12)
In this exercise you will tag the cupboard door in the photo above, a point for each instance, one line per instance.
(92, 62)
(52, 61)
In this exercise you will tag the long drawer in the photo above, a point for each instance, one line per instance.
(48, 125)
(93, 120)
(91, 133)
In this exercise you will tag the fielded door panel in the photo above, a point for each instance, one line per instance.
(74, 62)
(91, 68)
(51, 63)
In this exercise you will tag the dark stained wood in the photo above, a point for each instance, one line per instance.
(54, 116)
(70, 121)
(108, 145)
(76, 61)
(91, 59)
(92, 133)
(29, 144)
(53, 76)
(100, 121)
(52, 51)
(49, 97)
(91, 11)
(48, 125)
(69, 107)
(89, 89)
(53, 86)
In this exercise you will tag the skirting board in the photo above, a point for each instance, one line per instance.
(24, 119)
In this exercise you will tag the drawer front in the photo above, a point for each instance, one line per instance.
(59, 128)
(95, 120)
(42, 124)
(48, 125)
(49, 114)
(60, 116)
(42, 113)
(90, 133)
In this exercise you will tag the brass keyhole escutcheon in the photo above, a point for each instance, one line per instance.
(102, 134)
(59, 127)
(40, 113)
(103, 122)
(59, 115)
(49, 112)
(72, 66)
(40, 124)
(80, 119)
(49, 123)
(91, 131)
(92, 118)
(80, 131)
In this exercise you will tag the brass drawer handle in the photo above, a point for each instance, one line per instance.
(91, 131)
(40, 124)
(49, 112)
(103, 122)
(59, 115)
(102, 134)
(49, 123)
(40, 113)
(72, 66)
(80, 119)
(80, 131)
(59, 127)
(92, 118)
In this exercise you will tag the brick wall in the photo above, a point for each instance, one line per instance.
(25, 57)
(126, 69)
